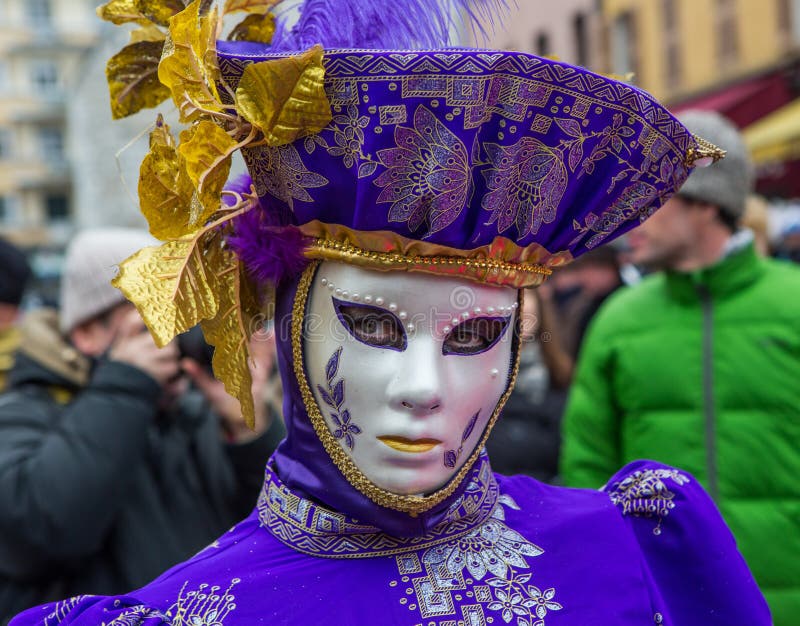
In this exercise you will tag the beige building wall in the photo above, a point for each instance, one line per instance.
(715, 41)
(552, 25)
(41, 46)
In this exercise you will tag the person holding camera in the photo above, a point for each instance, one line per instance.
(117, 458)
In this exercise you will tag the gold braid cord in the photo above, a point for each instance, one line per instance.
(487, 270)
(413, 505)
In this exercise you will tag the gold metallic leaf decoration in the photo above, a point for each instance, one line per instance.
(196, 279)
(189, 64)
(285, 98)
(159, 11)
(121, 12)
(228, 331)
(165, 190)
(206, 152)
(150, 32)
(172, 285)
(259, 28)
(133, 78)
(249, 6)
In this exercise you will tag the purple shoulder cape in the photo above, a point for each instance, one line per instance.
(650, 548)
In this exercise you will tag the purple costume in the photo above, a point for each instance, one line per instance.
(650, 548)
(494, 167)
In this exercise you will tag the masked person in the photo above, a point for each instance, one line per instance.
(404, 197)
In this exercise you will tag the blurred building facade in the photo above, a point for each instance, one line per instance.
(565, 29)
(42, 43)
(738, 57)
(682, 49)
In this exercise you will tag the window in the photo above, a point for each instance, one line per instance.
(623, 44)
(44, 77)
(792, 20)
(8, 210)
(5, 144)
(672, 43)
(726, 33)
(51, 143)
(542, 45)
(57, 206)
(38, 12)
(580, 33)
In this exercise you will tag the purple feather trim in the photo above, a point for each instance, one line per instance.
(271, 252)
(384, 24)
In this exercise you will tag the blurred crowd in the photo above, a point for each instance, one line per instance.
(118, 458)
(679, 343)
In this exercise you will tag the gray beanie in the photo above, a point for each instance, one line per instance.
(728, 182)
(91, 263)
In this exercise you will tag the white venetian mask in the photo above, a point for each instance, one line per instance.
(407, 369)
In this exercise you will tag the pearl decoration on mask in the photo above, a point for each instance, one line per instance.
(403, 315)
(494, 373)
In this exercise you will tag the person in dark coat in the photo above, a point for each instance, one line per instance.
(110, 469)
(15, 274)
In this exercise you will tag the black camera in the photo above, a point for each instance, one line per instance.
(192, 344)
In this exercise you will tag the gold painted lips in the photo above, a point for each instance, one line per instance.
(415, 446)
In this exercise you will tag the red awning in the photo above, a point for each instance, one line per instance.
(744, 102)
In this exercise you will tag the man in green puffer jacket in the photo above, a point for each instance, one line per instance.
(699, 367)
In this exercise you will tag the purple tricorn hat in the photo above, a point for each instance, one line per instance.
(496, 166)
(384, 149)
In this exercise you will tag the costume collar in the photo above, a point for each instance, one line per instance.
(309, 527)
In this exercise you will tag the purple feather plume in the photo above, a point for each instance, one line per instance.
(271, 251)
(384, 24)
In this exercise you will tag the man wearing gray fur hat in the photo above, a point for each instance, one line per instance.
(697, 367)
(110, 469)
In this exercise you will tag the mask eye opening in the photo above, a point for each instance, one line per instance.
(371, 325)
(475, 336)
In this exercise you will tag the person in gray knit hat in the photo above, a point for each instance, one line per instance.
(697, 367)
(696, 227)
(730, 182)
(91, 262)
(98, 418)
